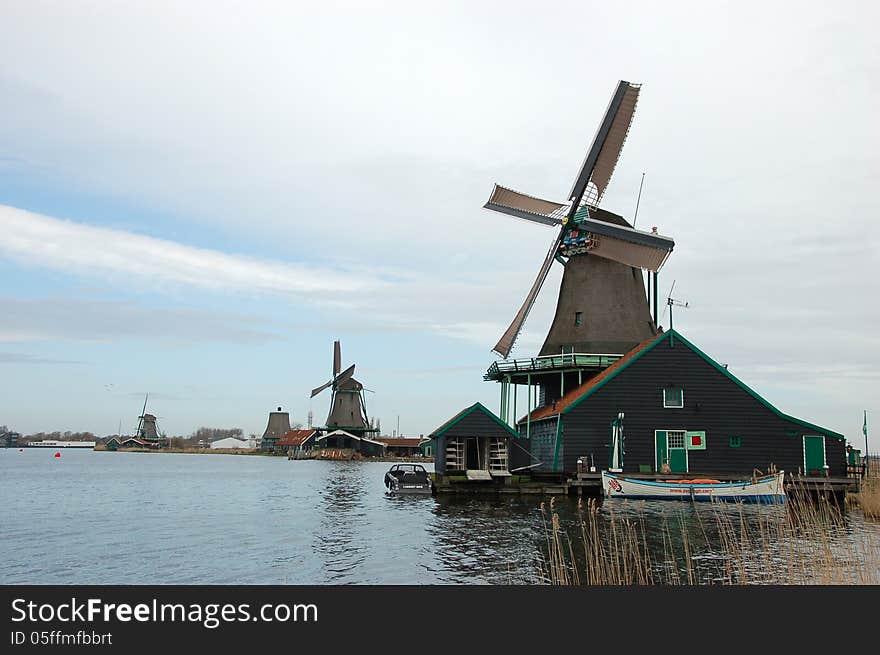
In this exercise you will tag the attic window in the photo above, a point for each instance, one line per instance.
(578, 319)
(735, 442)
(673, 398)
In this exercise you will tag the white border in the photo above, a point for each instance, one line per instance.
(665, 406)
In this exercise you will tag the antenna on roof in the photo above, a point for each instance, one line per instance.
(670, 303)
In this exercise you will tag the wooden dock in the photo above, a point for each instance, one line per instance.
(590, 484)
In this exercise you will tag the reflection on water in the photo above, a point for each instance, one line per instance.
(226, 519)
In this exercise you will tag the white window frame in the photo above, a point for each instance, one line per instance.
(665, 406)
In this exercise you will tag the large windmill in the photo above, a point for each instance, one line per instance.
(602, 307)
(348, 413)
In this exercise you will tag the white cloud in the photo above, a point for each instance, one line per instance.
(44, 241)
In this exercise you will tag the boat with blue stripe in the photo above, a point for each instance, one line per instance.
(764, 489)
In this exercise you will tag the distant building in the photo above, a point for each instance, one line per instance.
(296, 441)
(9, 439)
(277, 427)
(403, 446)
(116, 443)
(231, 443)
(46, 443)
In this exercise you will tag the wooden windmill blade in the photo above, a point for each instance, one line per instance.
(626, 245)
(513, 203)
(607, 144)
(337, 358)
(505, 343)
(344, 376)
(318, 390)
(335, 381)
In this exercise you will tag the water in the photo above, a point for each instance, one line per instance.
(133, 518)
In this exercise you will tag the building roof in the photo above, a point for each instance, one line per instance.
(295, 437)
(344, 433)
(588, 388)
(468, 410)
(578, 392)
(406, 442)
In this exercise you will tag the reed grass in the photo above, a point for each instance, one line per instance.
(868, 497)
(806, 541)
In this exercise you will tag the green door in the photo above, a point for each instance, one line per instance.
(678, 460)
(814, 455)
(675, 444)
(670, 449)
(660, 456)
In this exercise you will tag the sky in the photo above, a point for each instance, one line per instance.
(197, 198)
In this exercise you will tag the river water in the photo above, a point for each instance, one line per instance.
(136, 518)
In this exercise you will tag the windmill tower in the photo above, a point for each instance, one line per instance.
(602, 310)
(348, 413)
(147, 429)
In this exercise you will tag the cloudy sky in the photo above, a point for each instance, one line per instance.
(196, 199)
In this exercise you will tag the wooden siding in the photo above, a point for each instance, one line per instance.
(543, 444)
(479, 424)
(712, 403)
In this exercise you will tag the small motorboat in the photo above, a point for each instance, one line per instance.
(408, 479)
(764, 489)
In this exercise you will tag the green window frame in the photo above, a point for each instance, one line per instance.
(673, 397)
(578, 319)
(734, 441)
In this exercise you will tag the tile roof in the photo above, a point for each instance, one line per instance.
(294, 437)
(573, 395)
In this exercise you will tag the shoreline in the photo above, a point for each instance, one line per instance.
(242, 451)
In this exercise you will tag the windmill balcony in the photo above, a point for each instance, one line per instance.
(516, 368)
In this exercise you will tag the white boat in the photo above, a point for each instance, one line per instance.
(765, 489)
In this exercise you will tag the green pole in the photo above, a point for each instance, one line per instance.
(529, 403)
(514, 403)
(556, 447)
(501, 406)
(656, 316)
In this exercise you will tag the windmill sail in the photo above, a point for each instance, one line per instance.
(605, 150)
(513, 203)
(505, 343)
(318, 390)
(337, 358)
(338, 379)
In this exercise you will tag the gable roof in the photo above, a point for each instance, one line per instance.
(476, 407)
(294, 437)
(579, 394)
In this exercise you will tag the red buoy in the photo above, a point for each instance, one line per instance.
(57, 454)
(21, 450)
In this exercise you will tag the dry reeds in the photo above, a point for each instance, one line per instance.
(806, 541)
(868, 497)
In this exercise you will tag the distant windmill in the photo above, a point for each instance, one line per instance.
(347, 406)
(602, 305)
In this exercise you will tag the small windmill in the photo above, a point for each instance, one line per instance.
(147, 428)
(602, 306)
(347, 405)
